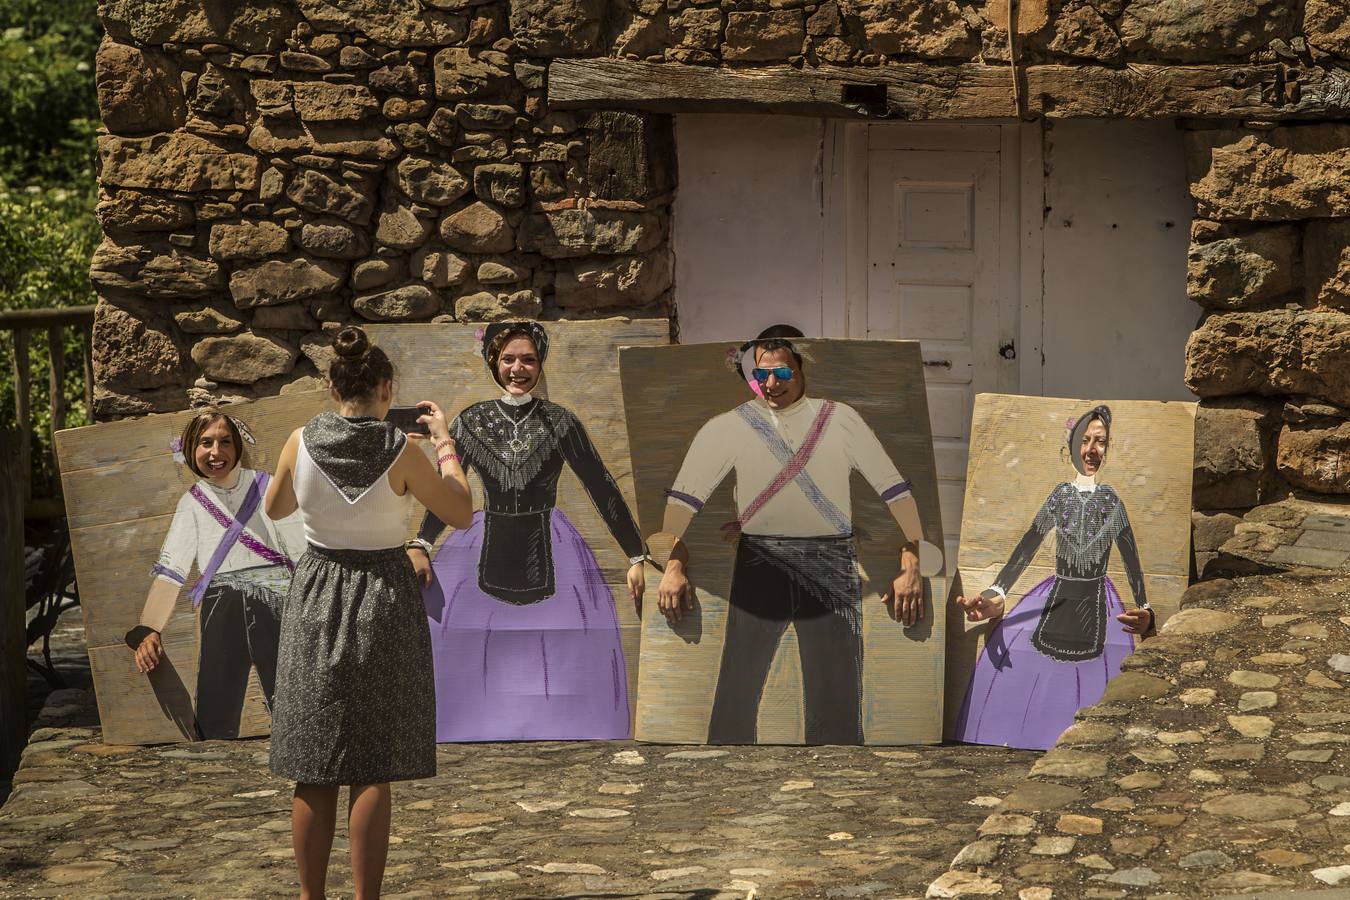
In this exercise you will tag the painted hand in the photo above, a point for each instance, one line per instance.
(637, 585)
(149, 653)
(1136, 621)
(421, 565)
(905, 597)
(982, 607)
(673, 596)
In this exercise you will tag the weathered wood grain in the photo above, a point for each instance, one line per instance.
(917, 91)
(13, 647)
(669, 393)
(443, 363)
(121, 486)
(1018, 455)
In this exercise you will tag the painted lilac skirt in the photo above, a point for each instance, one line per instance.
(1018, 696)
(552, 670)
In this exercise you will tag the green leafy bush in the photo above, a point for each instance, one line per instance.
(48, 118)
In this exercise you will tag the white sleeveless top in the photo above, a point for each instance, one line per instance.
(377, 520)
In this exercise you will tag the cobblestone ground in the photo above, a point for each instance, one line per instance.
(1216, 763)
(504, 820)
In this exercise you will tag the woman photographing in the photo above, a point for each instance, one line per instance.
(355, 703)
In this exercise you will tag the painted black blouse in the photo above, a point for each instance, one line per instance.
(1072, 626)
(518, 453)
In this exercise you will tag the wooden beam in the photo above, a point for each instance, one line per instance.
(39, 318)
(13, 643)
(917, 91)
(22, 378)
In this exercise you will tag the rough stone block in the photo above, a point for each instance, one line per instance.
(1231, 455)
(764, 36)
(1326, 23)
(1286, 173)
(285, 280)
(179, 161)
(557, 27)
(138, 90)
(1280, 352)
(248, 240)
(134, 349)
(412, 301)
(500, 183)
(1244, 270)
(430, 181)
(1316, 457)
(244, 358)
(1195, 31)
(584, 232)
(623, 281)
(463, 73)
(319, 192)
(394, 23)
(933, 29)
(259, 26)
(1326, 251)
(478, 228)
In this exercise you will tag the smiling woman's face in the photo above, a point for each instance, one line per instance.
(1092, 449)
(215, 453)
(518, 366)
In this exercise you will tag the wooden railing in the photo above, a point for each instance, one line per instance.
(22, 323)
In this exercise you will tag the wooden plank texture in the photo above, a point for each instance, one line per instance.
(917, 91)
(443, 363)
(1018, 455)
(121, 486)
(669, 393)
(13, 646)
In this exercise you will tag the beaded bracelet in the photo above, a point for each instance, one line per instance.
(442, 460)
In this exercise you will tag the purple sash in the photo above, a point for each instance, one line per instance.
(234, 532)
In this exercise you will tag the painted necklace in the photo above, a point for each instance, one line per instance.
(515, 444)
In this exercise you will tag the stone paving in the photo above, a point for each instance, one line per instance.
(1294, 534)
(1215, 764)
(505, 820)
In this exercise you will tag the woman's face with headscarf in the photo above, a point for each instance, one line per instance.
(1092, 448)
(518, 366)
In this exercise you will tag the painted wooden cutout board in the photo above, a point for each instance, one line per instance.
(1030, 529)
(669, 395)
(519, 663)
(122, 489)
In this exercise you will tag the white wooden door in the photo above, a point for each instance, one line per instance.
(935, 275)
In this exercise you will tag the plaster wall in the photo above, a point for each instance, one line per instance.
(750, 244)
(1117, 230)
(748, 225)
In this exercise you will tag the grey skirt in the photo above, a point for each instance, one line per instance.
(355, 697)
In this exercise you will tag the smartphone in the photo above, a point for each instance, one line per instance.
(404, 418)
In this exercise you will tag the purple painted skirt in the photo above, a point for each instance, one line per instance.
(552, 670)
(1019, 697)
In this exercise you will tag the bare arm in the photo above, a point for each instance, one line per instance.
(444, 489)
(280, 501)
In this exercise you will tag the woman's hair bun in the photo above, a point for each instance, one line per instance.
(351, 343)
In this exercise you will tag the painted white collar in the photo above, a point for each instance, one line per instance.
(801, 405)
(239, 482)
(1086, 484)
(512, 400)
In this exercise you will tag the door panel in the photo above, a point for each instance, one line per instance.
(933, 276)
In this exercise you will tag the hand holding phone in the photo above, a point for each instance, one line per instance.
(405, 419)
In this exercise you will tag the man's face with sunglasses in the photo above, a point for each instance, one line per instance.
(779, 377)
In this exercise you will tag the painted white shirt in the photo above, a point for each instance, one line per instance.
(194, 533)
(728, 443)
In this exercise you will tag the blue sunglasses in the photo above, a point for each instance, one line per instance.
(782, 373)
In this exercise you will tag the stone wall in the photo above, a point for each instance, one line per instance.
(1270, 270)
(271, 170)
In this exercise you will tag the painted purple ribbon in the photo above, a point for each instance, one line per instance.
(234, 532)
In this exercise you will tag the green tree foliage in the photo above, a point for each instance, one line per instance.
(48, 117)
